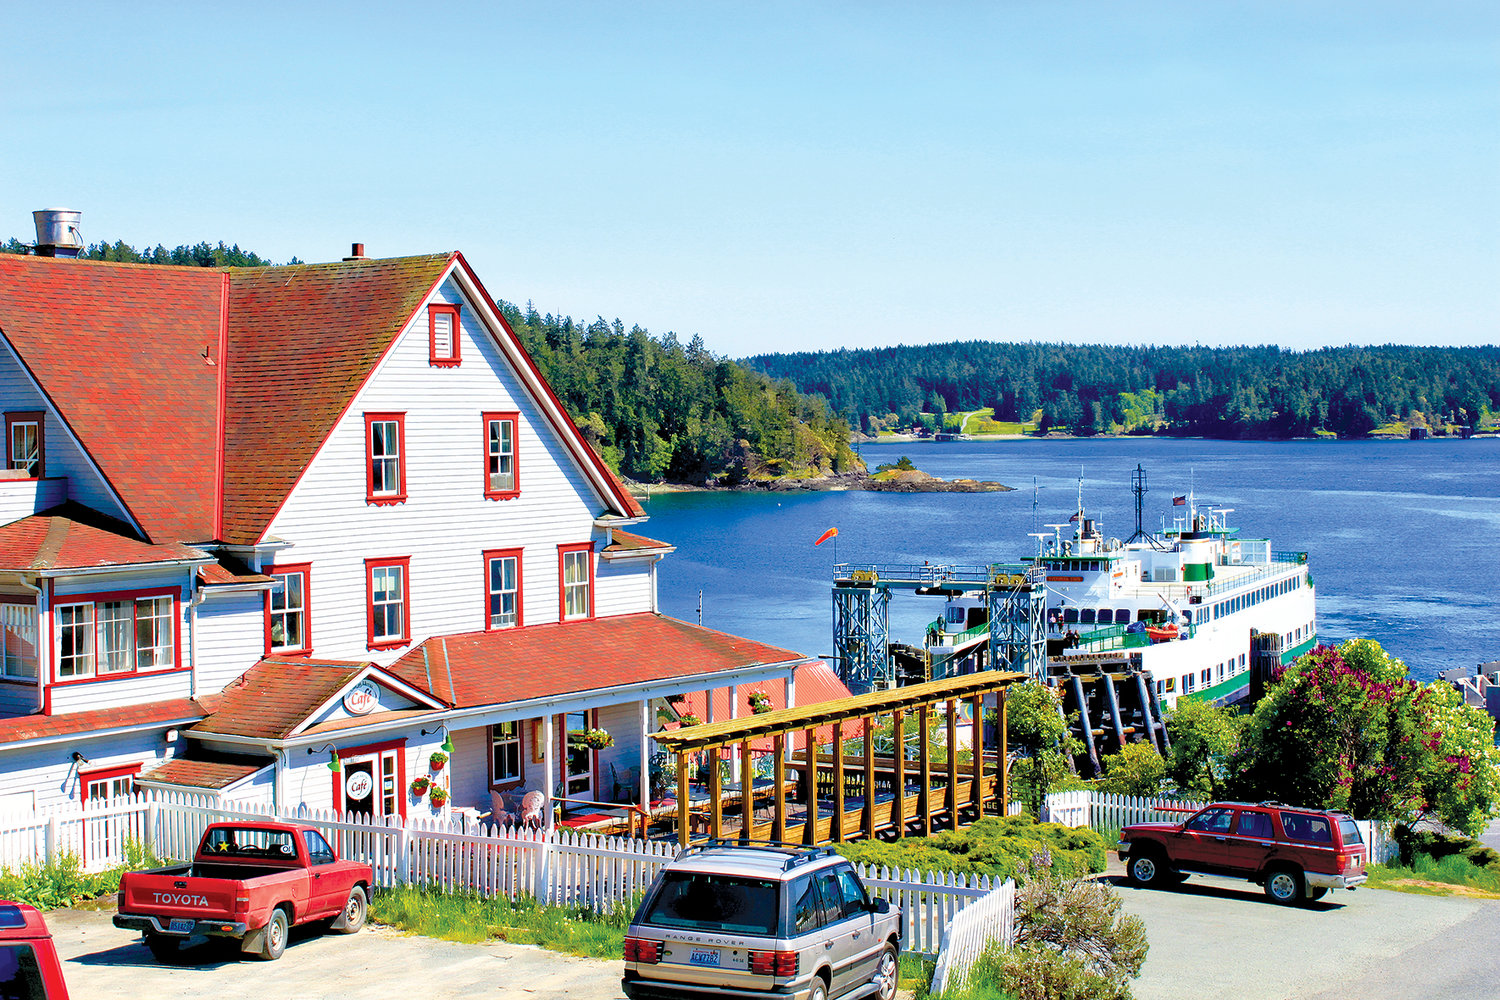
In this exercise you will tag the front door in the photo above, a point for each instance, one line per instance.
(369, 783)
(579, 757)
(359, 788)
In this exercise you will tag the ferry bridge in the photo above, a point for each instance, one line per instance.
(1015, 594)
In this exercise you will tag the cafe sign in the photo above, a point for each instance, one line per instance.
(362, 698)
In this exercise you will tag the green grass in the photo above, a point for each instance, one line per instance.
(470, 918)
(1454, 870)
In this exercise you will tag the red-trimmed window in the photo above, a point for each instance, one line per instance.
(442, 336)
(385, 458)
(502, 479)
(289, 609)
(575, 580)
(388, 592)
(104, 783)
(505, 754)
(24, 443)
(18, 638)
(502, 589)
(115, 634)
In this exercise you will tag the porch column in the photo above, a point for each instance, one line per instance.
(734, 755)
(645, 782)
(952, 791)
(976, 794)
(1004, 754)
(790, 687)
(548, 774)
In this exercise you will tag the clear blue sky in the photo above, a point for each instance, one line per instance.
(781, 177)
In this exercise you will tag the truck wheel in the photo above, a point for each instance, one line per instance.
(162, 948)
(275, 936)
(1284, 886)
(1147, 869)
(355, 911)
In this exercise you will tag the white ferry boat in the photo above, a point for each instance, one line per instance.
(1193, 606)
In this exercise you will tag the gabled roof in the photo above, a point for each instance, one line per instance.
(274, 699)
(71, 536)
(539, 661)
(203, 394)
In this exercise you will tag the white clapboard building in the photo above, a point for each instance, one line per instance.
(313, 534)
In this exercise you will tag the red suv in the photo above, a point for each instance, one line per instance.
(1294, 854)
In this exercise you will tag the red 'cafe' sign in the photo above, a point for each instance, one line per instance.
(362, 698)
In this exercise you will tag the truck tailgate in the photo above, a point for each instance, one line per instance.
(178, 896)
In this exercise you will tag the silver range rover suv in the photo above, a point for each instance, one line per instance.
(758, 921)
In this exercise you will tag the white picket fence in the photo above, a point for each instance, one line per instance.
(565, 867)
(1103, 811)
(991, 919)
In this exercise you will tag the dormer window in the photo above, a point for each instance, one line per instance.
(23, 442)
(442, 336)
(385, 458)
(501, 481)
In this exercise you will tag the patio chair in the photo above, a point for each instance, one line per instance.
(532, 805)
(627, 789)
(502, 810)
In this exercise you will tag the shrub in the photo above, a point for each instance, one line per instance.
(64, 882)
(995, 846)
(1438, 846)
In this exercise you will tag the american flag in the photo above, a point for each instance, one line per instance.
(1073, 518)
(1180, 501)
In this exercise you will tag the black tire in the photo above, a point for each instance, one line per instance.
(1148, 868)
(355, 912)
(274, 942)
(1284, 886)
(162, 948)
(1317, 892)
(888, 973)
(819, 989)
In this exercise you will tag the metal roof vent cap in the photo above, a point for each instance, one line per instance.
(57, 232)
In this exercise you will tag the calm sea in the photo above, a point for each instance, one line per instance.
(1403, 538)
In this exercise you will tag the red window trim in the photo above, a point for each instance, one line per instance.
(518, 780)
(370, 566)
(562, 604)
(54, 602)
(520, 566)
(307, 647)
(433, 311)
(400, 495)
(515, 440)
(374, 749)
(105, 773)
(39, 417)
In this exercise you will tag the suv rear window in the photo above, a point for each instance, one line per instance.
(715, 903)
(1350, 831)
(1308, 829)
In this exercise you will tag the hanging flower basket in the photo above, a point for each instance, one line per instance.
(690, 720)
(439, 795)
(419, 786)
(437, 760)
(760, 702)
(597, 739)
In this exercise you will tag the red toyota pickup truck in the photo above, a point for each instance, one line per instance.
(29, 969)
(252, 881)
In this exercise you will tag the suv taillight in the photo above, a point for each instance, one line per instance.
(773, 963)
(642, 951)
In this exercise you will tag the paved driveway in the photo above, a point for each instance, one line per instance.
(100, 961)
(1215, 937)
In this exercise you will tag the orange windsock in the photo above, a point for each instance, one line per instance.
(826, 535)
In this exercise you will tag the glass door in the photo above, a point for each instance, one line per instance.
(580, 773)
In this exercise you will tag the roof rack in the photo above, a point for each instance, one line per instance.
(796, 854)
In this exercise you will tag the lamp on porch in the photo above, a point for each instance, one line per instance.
(447, 745)
(334, 764)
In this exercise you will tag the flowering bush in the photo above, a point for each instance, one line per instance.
(596, 739)
(760, 702)
(690, 720)
(419, 786)
(439, 795)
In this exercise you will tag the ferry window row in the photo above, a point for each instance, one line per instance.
(1239, 603)
(1101, 616)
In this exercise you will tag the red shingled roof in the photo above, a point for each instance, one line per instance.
(162, 713)
(537, 661)
(274, 697)
(624, 541)
(130, 357)
(119, 349)
(201, 773)
(70, 537)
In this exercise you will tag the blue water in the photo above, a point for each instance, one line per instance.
(1403, 538)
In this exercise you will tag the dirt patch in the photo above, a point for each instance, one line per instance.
(1438, 888)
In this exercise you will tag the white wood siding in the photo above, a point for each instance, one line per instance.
(135, 689)
(623, 722)
(61, 455)
(308, 781)
(623, 586)
(19, 697)
(49, 771)
(258, 788)
(471, 768)
(446, 522)
(25, 497)
(231, 638)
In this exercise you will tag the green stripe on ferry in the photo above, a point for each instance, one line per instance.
(1296, 651)
(1238, 682)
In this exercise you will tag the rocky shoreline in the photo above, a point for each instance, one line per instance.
(904, 482)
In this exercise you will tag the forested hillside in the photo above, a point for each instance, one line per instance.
(199, 255)
(1251, 392)
(657, 409)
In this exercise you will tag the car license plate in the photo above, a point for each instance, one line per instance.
(180, 926)
(704, 956)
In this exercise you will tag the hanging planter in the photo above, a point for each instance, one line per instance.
(690, 720)
(760, 702)
(439, 796)
(596, 739)
(437, 760)
(419, 786)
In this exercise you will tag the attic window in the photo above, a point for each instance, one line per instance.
(442, 336)
(23, 442)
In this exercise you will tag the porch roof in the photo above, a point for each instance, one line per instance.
(203, 773)
(715, 734)
(29, 728)
(546, 661)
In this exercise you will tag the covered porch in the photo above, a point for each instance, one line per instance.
(894, 761)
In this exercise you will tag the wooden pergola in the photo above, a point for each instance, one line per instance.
(943, 787)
